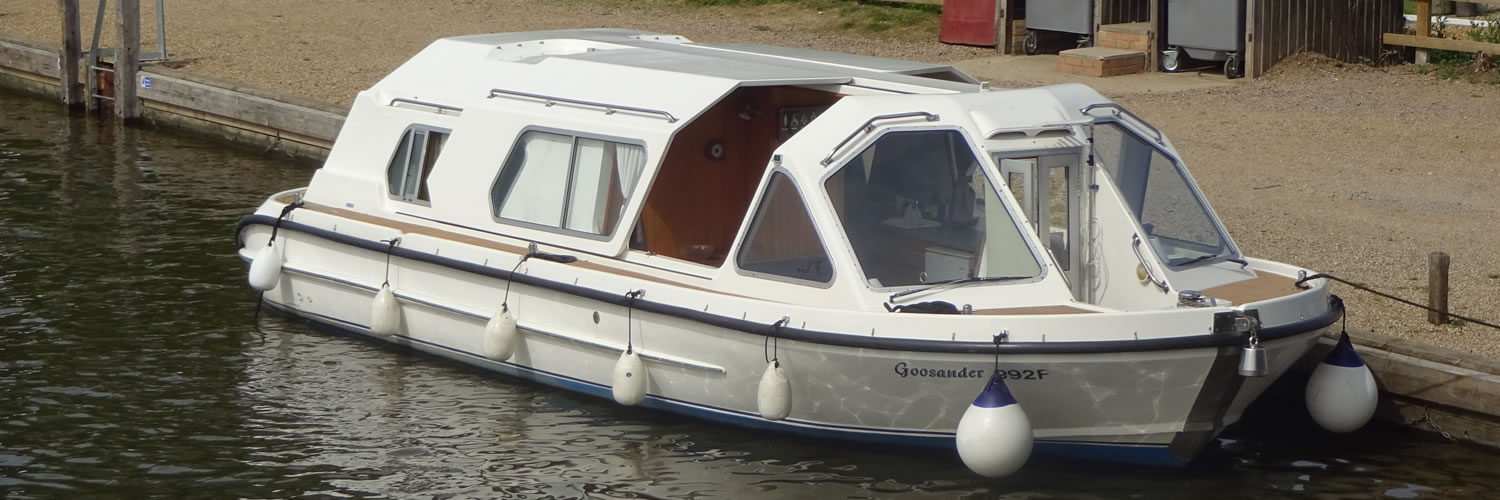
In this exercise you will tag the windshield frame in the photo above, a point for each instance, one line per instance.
(1231, 250)
(986, 164)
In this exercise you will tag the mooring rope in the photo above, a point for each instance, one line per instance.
(630, 298)
(1304, 280)
(767, 349)
(260, 297)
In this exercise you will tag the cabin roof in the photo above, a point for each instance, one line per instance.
(748, 64)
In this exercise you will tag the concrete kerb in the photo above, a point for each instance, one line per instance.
(227, 110)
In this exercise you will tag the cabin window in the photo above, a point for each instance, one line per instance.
(567, 182)
(782, 240)
(412, 164)
(917, 208)
(1160, 196)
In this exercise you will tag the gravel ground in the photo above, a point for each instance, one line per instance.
(1352, 170)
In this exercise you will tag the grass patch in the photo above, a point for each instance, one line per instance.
(1471, 67)
(869, 16)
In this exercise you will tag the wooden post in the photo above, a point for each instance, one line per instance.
(1424, 26)
(127, 60)
(1252, 70)
(72, 91)
(1154, 9)
(1437, 288)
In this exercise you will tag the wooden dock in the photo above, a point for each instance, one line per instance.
(234, 112)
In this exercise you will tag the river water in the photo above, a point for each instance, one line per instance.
(132, 365)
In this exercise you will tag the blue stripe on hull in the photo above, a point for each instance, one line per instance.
(1126, 453)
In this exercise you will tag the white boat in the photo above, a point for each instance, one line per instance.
(788, 240)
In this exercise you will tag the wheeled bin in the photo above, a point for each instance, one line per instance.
(1066, 16)
(1205, 30)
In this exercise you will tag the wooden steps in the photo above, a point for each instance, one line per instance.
(1101, 61)
(1128, 36)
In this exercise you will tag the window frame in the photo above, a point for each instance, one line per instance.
(986, 163)
(1192, 184)
(401, 139)
(575, 135)
(752, 220)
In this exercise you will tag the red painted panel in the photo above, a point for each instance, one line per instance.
(969, 22)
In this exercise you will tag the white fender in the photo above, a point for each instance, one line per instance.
(500, 335)
(994, 435)
(385, 312)
(630, 379)
(1341, 394)
(265, 270)
(774, 399)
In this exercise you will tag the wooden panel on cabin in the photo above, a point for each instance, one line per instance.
(697, 202)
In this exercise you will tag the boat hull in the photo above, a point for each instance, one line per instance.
(1148, 407)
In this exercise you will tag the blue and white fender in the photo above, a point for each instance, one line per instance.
(994, 435)
(1341, 394)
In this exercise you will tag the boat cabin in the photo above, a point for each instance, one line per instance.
(783, 174)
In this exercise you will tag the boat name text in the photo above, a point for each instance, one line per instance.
(904, 370)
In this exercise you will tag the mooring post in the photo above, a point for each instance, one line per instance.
(1437, 288)
(72, 91)
(128, 60)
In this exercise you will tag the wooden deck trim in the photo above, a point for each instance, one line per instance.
(1264, 286)
(407, 227)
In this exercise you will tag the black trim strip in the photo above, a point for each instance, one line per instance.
(797, 334)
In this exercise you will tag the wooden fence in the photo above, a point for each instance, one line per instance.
(1422, 40)
(1346, 30)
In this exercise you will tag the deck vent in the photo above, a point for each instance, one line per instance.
(533, 51)
(1032, 134)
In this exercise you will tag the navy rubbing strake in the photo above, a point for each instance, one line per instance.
(1207, 339)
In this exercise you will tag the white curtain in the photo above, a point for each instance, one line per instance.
(592, 165)
(537, 195)
(631, 161)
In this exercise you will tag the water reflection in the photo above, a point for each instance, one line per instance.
(131, 366)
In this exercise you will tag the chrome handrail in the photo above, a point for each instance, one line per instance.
(869, 126)
(1160, 139)
(444, 107)
(1136, 246)
(609, 109)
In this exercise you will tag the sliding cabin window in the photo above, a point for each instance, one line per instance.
(782, 241)
(412, 164)
(567, 182)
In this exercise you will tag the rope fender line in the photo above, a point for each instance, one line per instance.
(1301, 283)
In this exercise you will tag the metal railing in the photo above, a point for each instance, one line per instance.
(439, 107)
(609, 109)
(1160, 139)
(869, 126)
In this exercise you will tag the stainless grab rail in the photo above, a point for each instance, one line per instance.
(1160, 139)
(869, 126)
(445, 107)
(1136, 246)
(609, 109)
